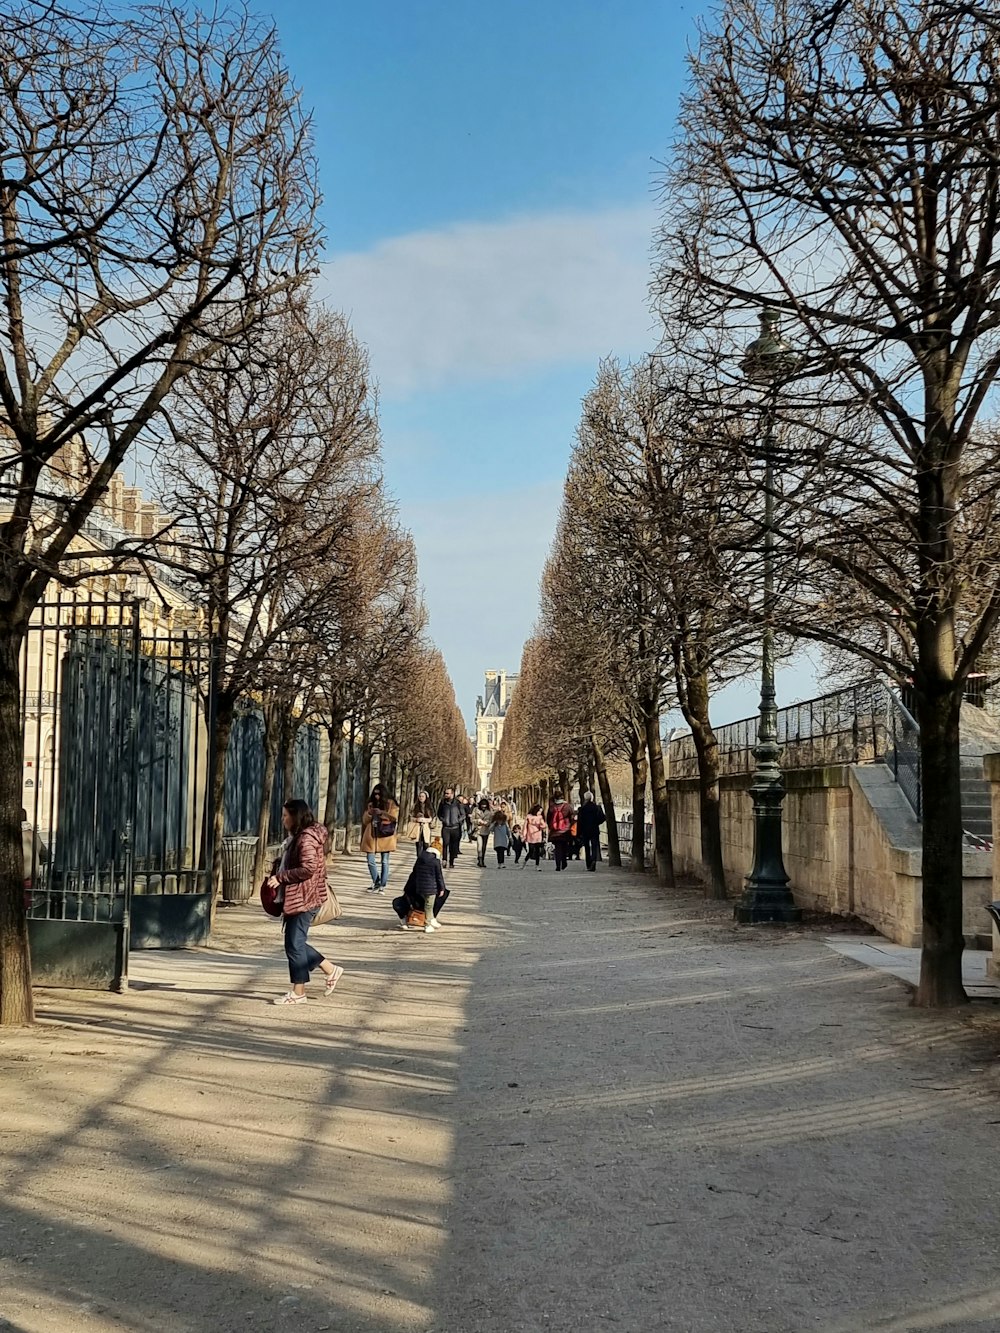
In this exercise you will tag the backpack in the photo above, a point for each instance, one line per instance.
(383, 824)
(559, 820)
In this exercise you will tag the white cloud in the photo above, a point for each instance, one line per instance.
(484, 300)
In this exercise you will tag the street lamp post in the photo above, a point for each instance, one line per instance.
(766, 895)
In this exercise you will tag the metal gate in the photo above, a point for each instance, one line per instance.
(116, 777)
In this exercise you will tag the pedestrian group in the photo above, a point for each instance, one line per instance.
(297, 889)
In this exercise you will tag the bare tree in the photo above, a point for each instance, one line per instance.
(666, 485)
(840, 163)
(157, 193)
(602, 538)
(373, 617)
(275, 444)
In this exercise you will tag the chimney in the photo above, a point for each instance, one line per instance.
(131, 500)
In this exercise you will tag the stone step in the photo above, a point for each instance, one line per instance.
(976, 794)
(978, 830)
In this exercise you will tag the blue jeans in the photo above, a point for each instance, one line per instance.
(302, 957)
(380, 880)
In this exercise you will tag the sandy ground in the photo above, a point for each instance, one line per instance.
(584, 1105)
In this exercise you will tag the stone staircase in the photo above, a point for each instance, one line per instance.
(977, 814)
(980, 735)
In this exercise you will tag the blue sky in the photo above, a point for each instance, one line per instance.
(489, 175)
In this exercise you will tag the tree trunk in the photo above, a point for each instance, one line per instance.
(350, 783)
(696, 714)
(16, 1006)
(941, 954)
(661, 801)
(637, 759)
(335, 731)
(266, 789)
(563, 776)
(289, 736)
(608, 801)
(225, 711)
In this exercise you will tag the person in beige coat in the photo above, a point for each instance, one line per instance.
(379, 827)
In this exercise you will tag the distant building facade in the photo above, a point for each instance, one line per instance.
(491, 709)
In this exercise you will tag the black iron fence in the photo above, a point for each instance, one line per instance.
(903, 753)
(626, 829)
(849, 726)
(115, 720)
(117, 708)
(865, 723)
(245, 773)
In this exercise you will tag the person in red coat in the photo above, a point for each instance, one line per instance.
(301, 872)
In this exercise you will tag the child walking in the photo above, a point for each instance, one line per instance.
(517, 844)
(501, 837)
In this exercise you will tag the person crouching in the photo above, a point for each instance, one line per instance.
(425, 890)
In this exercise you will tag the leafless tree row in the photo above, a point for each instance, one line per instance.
(649, 601)
(158, 235)
(840, 164)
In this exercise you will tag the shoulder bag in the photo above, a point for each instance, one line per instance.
(330, 908)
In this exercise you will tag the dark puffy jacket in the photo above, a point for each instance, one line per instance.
(426, 878)
(589, 819)
(452, 813)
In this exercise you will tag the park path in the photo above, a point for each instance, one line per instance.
(584, 1105)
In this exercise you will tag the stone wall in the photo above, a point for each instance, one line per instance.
(851, 847)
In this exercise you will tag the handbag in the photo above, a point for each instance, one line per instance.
(272, 900)
(415, 917)
(383, 824)
(330, 908)
(412, 833)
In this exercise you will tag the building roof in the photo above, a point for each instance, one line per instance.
(492, 707)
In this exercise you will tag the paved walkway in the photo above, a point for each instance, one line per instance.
(898, 961)
(582, 1106)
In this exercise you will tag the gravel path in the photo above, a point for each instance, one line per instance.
(583, 1105)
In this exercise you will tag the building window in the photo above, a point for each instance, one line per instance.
(491, 735)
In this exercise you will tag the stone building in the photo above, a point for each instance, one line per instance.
(491, 709)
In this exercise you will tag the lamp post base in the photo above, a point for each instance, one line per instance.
(766, 895)
(762, 904)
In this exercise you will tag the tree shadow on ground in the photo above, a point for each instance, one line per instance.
(220, 1164)
(662, 1126)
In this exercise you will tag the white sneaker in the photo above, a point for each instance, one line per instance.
(429, 930)
(290, 998)
(403, 925)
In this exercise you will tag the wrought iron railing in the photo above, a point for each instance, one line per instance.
(625, 830)
(903, 755)
(37, 701)
(848, 726)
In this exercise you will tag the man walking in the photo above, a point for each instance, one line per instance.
(589, 819)
(451, 813)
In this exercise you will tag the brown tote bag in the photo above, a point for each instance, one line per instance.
(330, 909)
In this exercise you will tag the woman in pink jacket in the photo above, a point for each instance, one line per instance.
(301, 871)
(535, 831)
